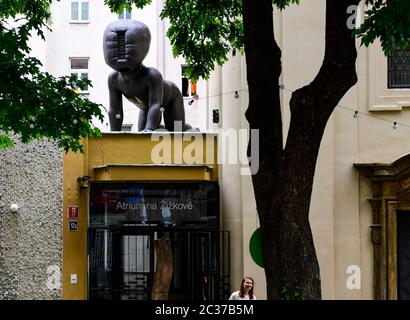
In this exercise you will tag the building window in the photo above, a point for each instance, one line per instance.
(79, 11)
(126, 127)
(399, 69)
(188, 87)
(79, 69)
(124, 15)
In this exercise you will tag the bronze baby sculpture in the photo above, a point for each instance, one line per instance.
(126, 44)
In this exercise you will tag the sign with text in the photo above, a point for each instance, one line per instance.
(73, 212)
(167, 204)
(73, 225)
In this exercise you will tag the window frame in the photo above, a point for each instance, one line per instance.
(390, 59)
(80, 12)
(79, 72)
(124, 15)
(126, 127)
(373, 68)
(192, 86)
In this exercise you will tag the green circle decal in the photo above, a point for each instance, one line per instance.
(255, 247)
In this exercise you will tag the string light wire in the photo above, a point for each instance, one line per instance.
(235, 93)
(355, 112)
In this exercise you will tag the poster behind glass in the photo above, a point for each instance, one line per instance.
(164, 204)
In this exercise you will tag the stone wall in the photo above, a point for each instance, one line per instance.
(31, 239)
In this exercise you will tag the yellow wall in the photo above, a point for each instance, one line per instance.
(123, 157)
(75, 243)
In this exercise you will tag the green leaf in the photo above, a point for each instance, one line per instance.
(388, 21)
(204, 32)
(5, 142)
(34, 104)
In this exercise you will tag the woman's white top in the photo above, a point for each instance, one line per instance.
(235, 296)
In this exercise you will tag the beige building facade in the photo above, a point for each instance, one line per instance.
(357, 247)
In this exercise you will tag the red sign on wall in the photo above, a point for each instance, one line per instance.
(73, 212)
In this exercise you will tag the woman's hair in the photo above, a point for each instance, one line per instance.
(242, 290)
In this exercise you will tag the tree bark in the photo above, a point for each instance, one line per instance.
(287, 174)
(264, 113)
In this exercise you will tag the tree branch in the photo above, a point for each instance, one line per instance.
(263, 71)
(315, 102)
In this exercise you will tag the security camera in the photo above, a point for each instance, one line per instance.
(83, 179)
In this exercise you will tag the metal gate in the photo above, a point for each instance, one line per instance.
(122, 263)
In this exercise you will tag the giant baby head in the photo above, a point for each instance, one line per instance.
(126, 44)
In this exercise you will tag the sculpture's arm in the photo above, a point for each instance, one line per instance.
(156, 88)
(116, 114)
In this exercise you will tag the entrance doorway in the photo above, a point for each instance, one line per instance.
(126, 219)
(390, 227)
(123, 262)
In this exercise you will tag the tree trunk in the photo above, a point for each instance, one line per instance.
(264, 113)
(291, 266)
